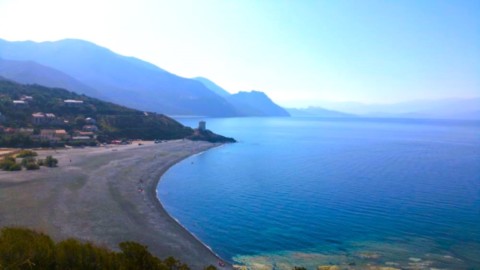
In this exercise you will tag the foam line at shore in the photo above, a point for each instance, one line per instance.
(175, 219)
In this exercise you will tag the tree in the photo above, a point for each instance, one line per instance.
(80, 121)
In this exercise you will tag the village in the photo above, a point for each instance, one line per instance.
(46, 128)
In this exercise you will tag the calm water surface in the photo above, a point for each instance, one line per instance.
(352, 192)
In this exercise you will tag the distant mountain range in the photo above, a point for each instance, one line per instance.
(29, 72)
(213, 86)
(453, 108)
(86, 68)
(89, 69)
(253, 103)
(317, 112)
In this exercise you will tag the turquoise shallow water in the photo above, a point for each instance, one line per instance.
(352, 192)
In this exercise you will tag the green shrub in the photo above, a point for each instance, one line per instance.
(7, 162)
(41, 162)
(172, 263)
(15, 167)
(10, 158)
(73, 254)
(27, 160)
(26, 153)
(136, 256)
(32, 166)
(30, 163)
(50, 161)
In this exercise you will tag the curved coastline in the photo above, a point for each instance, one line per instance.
(106, 195)
(153, 192)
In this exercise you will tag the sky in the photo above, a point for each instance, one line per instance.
(299, 52)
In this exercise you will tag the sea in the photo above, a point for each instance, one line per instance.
(357, 193)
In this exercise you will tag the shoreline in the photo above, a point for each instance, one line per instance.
(176, 220)
(153, 192)
(106, 195)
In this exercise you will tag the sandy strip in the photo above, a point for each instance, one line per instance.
(105, 195)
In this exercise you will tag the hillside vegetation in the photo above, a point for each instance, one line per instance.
(113, 121)
(26, 249)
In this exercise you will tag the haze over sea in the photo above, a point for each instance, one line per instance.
(352, 192)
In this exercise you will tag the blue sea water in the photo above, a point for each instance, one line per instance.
(352, 192)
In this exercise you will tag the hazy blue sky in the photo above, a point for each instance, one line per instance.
(297, 51)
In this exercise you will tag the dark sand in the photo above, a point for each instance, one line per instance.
(95, 197)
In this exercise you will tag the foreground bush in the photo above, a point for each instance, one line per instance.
(22, 249)
(26, 249)
(73, 254)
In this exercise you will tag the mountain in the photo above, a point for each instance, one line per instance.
(124, 80)
(29, 72)
(317, 112)
(213, 86)
(453, 108)
(254, 103)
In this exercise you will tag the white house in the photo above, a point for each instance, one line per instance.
(72, 102)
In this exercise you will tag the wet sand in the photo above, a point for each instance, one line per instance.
(105, 195)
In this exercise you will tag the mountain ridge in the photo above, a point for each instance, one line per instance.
(449, 108)
(124, 80)
(256, 103)
(213, 86)
(247, 103)
(314, 111)
(30, 72)
(100, 72)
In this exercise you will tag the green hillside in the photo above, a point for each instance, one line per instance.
(113, 121)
